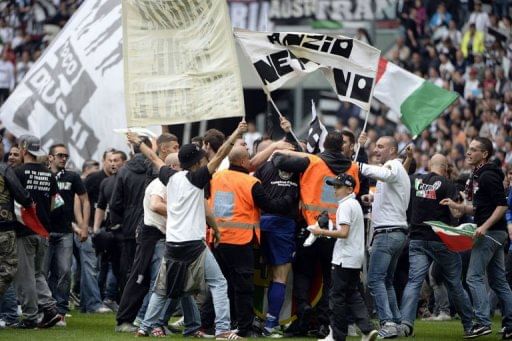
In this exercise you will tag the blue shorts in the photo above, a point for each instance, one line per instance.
(277, 239)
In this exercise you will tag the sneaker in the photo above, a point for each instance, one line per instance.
(2, 324)
(126, 328)
(476, 331)
(443, 316)
(111, 304)
(158, 332)
(50, 319)
(200, 335)
(169, 330)
(273, 333)
(102, 310)
(329, 336)
(507, 334)
(405, 330)
(62, 322)
(352, 330)
(141, 333)
(388, 331)
(180, 323)
(229, 335)
(25, 324)
(371, 336)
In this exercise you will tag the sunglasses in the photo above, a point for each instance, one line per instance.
(62, 155)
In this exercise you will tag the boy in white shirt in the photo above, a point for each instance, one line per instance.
(347, 261)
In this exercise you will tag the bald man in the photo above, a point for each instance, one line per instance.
(426, 194)
(236, 200)
(149, 252)
(389, 223)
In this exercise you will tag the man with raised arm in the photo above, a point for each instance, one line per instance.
(185, 232)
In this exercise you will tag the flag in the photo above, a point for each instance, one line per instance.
(73, 93)
(28, 217)
(180, 62)
(456, 238)
(317, 133)
(416, 101)
(348, 64)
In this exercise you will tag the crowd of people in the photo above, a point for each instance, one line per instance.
(173, 228)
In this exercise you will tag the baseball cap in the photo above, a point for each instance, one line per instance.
(342, 179)
(189, 154)
(32, 144)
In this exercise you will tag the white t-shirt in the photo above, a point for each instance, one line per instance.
(186, 219)
(349, 252)
(151, 218)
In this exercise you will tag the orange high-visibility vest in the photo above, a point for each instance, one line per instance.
(316, 196)
(231, 202)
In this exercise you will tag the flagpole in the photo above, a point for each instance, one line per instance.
(362, 131)
(281, 116)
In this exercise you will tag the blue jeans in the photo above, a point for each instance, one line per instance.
(218, 287)
(420, 254)
(488, 255)
(386, 249)
(157, 307)
(158, 254)
(111, 289)
(90, 298)
(9, 306)
(57, 267)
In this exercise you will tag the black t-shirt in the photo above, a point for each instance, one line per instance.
(199, 178)
(427, 190)
(92, 184)
(69, 184)
(279, 183)
(106, 190)
(42, 186)
(489, 193)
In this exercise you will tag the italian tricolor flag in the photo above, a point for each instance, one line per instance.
(417, 101)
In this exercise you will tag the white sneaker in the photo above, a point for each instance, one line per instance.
(2, 324)
(329, 337)
(352, 330)
(62, 322)
(102, 310)
(180, 323)
(388, 331)
(442, 317)
(311, 238)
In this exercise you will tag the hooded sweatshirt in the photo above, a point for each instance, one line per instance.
(488, 193)
(337, 162)
(126, 202)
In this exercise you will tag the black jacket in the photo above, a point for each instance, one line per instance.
(10, 190)
(488, 193)
(126, 202)
(280, 177)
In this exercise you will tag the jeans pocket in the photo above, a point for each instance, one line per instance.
(7, 243)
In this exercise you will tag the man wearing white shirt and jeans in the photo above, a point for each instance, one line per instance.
(186, 230)
(389, 224)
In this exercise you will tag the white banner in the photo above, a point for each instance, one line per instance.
(348, 64)
(180, 62)
(74, 93)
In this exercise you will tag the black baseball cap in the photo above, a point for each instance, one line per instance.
(342, 179)
(32, 144)
(190, 154)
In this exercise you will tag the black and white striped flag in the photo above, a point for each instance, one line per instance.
(317, 132)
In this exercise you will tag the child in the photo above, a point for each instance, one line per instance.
(347, 260)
